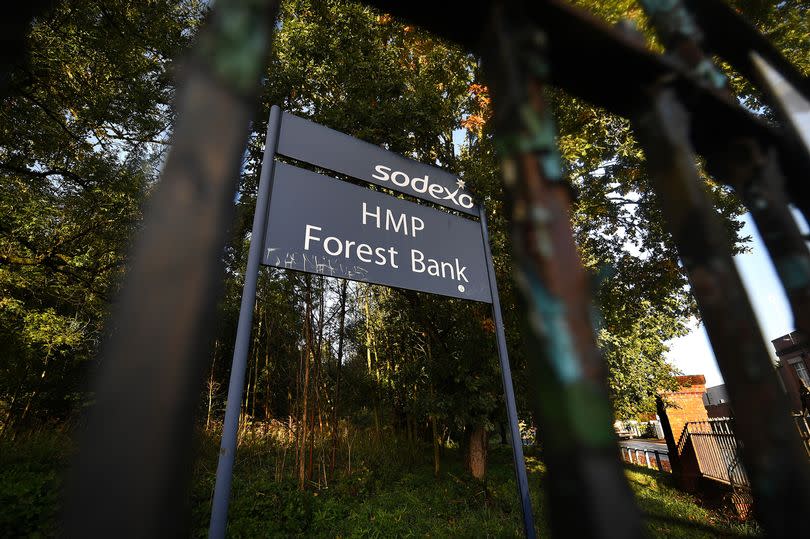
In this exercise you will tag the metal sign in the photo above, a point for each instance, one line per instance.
(330, 227)
(333, 150)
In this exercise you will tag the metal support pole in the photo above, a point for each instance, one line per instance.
(508, 389)
(227, 451)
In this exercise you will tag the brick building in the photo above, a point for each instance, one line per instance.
(684, 404)
(793, 351)
(676, 409)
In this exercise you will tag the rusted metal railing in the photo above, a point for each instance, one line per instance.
(132, 470)
(716, 450)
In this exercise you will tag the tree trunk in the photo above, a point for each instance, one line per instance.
(436, 454)
(266, 406)
(316, 379)
(302, 462)
(373, 370)
(256, 369)
(211, 382)
(39, 385)
(476, 458)
(335, 417)
(251, 381)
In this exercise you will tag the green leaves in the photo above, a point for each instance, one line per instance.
(82, 132)
(86, 124)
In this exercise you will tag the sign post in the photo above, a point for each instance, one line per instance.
(309, 222)
(227, 450)
(508, 389)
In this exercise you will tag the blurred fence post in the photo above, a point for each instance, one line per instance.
(133, 466)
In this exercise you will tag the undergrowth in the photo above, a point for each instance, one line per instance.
(31, 478)
(390, 492)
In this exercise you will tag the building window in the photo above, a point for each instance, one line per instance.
(801, 371)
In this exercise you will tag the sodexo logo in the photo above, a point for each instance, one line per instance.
(423, 185)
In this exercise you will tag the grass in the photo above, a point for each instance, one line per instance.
(672, 513)
(387, 495)
(31, 469)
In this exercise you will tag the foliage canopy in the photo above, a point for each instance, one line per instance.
(85, 126)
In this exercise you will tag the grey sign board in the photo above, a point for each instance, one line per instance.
(331, 227)
(318, 145)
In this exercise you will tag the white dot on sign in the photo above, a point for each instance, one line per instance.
(461, 288)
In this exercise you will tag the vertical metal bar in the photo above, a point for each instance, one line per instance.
(788, 101)
(727, 448)
(657, 460)
(753, 171)
(755, 175)
(778, 469)
(719, 458)
(568, 374)
(133, 466)
(508, 389)
(227, 451)
(647, 456)
(705, 450)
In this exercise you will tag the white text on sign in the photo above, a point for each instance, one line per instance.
(399, 223)
(422, 186)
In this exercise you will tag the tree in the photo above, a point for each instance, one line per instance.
(84, 119)
(85, 123)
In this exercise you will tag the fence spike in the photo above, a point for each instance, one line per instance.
(569, 390)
